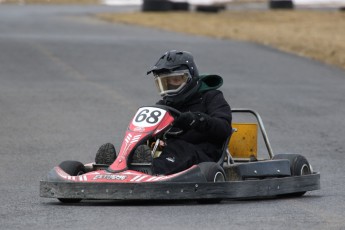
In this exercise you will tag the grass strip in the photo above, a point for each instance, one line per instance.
(319, 35)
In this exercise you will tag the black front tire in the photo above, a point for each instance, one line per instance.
(73, 168)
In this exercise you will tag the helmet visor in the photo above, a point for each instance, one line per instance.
(171, 83)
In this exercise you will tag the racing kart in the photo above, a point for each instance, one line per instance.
(238, 174)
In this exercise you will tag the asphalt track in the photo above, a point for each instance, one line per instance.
(69, 83)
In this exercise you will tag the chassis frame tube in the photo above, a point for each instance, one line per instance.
(261, 125)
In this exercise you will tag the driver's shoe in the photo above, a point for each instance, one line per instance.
(106, 154)
(142, 154)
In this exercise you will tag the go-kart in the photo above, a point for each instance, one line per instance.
(238, 174)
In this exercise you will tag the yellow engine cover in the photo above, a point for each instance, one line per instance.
(244, 141)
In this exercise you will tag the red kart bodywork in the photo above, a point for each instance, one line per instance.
(137, 133)
(127, 176)
(147, 123)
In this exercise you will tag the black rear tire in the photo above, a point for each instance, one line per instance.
(73, 168)
(213, 172)
(299, 166)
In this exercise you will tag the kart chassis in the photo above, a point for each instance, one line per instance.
(245, 180)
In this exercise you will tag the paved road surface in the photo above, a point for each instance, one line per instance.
(69, 83)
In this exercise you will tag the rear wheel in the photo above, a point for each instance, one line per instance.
(299, 166)
(213, 172)
(73, 168)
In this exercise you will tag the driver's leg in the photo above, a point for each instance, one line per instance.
(177, 156)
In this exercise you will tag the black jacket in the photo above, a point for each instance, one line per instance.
(218, 127)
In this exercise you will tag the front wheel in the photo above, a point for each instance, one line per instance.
(73, 168)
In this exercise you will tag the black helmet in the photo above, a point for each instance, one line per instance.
(176, 66)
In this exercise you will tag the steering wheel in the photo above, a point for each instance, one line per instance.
(175, 113)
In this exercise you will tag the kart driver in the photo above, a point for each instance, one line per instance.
(205, 115)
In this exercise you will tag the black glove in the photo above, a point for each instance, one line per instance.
(192, 120)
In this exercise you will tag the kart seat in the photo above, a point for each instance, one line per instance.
(243, 143)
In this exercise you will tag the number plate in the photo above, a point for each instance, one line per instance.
(148, 117)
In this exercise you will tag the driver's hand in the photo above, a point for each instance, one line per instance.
(191, 120)
(161, 143)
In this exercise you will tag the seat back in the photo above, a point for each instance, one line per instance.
(244, 141)
(224, 151)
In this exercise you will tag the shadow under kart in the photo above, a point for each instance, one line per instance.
(238, 174)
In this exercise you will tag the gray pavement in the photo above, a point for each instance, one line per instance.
(69, 83)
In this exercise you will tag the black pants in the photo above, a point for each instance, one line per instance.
(178, 155)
